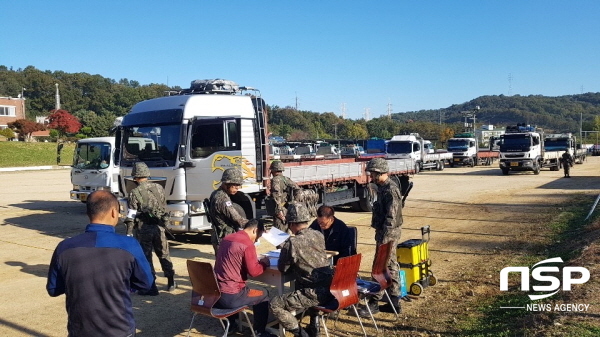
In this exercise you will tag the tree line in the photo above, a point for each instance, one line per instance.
(95, 101)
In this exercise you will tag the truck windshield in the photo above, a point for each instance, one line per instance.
(93, 156)
(458, 144)
(556, 144)
(399, 147)
(156, 145)
(515, 143)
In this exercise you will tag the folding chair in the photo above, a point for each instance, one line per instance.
(383, 280)
(344, 289)
(205, 293)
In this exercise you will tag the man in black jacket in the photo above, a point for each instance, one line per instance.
(338, 236)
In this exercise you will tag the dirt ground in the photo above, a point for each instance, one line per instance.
(480, 222)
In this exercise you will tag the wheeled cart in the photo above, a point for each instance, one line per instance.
(413, 258)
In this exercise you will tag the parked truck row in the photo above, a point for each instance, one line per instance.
(527, 148)
(189, 139)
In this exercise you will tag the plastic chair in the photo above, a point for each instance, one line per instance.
(383, 280)
(344, 289)
(205, 293)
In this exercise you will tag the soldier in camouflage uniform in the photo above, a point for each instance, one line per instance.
(282, 189)
(227, 217)
(303, 255)
(387, 221)
(148, 199)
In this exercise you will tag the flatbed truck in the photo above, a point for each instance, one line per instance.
(194, 135)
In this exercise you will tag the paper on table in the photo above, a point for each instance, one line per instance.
(275, 237)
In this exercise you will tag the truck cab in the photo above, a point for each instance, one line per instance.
(406, 146)
(522, 149)
(421, 151)
(464, 149)
(188, 140)
(94, 167)
(565, 142)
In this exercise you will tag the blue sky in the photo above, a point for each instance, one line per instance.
(413, 54)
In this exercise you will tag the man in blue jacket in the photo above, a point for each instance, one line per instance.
(97, 270)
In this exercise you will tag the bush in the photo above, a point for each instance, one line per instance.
(8, 133)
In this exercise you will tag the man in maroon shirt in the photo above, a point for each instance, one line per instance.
(236, 259)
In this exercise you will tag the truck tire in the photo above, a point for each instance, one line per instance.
(473, 162)
(505, 170)
(536, 169)
(368, 197)
(441, 165)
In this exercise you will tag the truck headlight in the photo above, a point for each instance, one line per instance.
(177, 214)
(197, 207)
(75, 187)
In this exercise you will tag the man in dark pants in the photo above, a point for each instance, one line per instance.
(148, 203)
(282, 189)
(567, 162)
(227, 216)
(387, 221)
(338, 237)
(303, 255)
(97, 270)
(236, 259)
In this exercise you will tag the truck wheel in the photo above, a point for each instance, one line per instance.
(442, 166)
(368, 197)
(536, 169)
(488, 162)
(505, 170)
(473, 161)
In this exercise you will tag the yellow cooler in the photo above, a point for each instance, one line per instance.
(413, 258)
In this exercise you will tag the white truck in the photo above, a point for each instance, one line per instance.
(199, 132)
(522, 149)
(565, 142)
(465, 150)
(416, 148)
(94, 167)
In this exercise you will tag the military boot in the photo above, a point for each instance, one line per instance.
(395, 302)
(314, 327)
(373, 305)
(171, 284)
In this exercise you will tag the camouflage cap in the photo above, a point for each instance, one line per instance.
(277, 166)
(377, 165)
(297, 212)
(140, 170)
(232, 176)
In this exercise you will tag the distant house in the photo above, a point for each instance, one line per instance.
(11, 109)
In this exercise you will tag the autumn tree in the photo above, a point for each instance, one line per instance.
(25, 128)
(63, 121)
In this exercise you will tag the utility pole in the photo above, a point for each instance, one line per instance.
(296, 101)
(23, 101)
(57, 106)
(389, 109)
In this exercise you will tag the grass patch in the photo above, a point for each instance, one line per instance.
(564, 240)
(17, 154)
